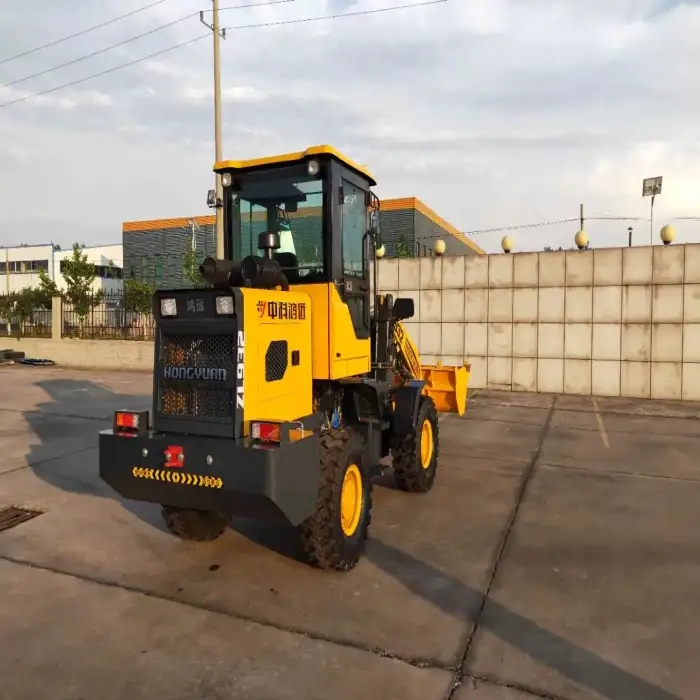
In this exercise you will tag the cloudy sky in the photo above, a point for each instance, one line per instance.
(493, 112)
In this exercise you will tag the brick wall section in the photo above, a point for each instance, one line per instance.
(609, 322)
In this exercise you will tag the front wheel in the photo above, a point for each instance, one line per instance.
(415, 453)
(334, 536)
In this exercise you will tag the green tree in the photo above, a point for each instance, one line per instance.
(402, 249)
(111, 271)
(79, 275)
(190, 267)
(19, 307)
(138, 296)
(47, 286)
(5, 308)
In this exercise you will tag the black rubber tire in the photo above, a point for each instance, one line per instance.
(326, 545)
(196, 525)
(409, 473)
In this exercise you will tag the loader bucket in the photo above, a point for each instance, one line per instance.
(447, 386)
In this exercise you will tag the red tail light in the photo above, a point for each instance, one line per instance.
(130, 424)
(265, 432)
(128, 420)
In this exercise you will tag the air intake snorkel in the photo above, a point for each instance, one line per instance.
(253, 271)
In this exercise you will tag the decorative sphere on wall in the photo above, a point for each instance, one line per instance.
(668, 234)
(581, 240)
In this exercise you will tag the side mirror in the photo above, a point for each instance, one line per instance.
(403, 308)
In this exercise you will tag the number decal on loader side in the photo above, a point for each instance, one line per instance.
(240, 367)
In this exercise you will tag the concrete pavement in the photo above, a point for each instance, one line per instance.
(558, 556)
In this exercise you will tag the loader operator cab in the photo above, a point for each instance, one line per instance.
(320, 205)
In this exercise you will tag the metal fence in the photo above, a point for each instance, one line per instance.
(37, 324)
(18, 318)
(107, 317)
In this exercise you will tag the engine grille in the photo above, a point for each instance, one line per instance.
(197, 398)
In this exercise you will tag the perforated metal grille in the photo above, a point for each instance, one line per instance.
(196, 401)
(195, 395)
(198, 350)
(276, 359)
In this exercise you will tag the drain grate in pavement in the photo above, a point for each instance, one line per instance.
(12, 516)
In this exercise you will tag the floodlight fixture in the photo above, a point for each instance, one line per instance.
(651, 186)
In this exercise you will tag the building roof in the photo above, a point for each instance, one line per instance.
(292, 158)
(385, 205)
(417, 205)
(29, 245)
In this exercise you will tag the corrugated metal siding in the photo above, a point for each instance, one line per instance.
(155, 256)
(393, 224)
(427, 232)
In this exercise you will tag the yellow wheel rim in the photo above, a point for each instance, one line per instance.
(426, 444)
(351, 500)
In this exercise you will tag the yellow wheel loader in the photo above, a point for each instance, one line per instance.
(281, 386)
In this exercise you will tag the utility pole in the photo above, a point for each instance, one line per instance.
(629, 236)
(581, 218)
(218, 35)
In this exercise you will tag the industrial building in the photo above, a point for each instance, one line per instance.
(154, 250)
(20, 265)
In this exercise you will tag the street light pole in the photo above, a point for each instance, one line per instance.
(218, 35)
(651, 186)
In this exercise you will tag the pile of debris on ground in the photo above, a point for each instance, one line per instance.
(11, 357)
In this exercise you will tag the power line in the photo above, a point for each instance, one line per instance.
(72, 83)
(133, 38)
(606, 217)
(336, 16)
(518, 226)
(80, 33)
(570, 221)
(104, 72)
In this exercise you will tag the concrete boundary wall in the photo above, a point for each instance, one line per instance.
(134, 355)
(609, 322)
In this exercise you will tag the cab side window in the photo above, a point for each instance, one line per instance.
(354, 227)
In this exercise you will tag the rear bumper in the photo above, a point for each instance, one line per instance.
(243, 480)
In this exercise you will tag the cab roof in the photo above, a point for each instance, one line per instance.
(292, 158)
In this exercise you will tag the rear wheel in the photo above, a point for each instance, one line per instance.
(195, 525)
(415, 453)
(334, 536)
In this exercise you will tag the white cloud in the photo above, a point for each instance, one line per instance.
(493, 112)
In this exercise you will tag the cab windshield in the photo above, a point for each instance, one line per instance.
(287, 201)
